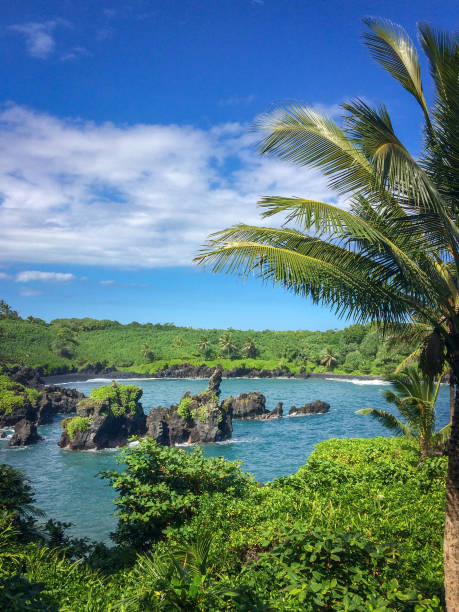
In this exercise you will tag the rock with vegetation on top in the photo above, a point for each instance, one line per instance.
(316, 407)
(17, 402)
(197, 418)
(106, 419)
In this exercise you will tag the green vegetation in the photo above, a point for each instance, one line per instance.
(359, 527)
(160, 487)
(77, 424)
(356, 349)
(122, 399)
(415, 396)
(184, 407)
(392, 256)
(14, 394)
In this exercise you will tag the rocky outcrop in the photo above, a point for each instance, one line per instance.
(197, 418)
(251, 407)
(316, 407)
(107, 419)
(57, 400)
(278, 410)
(24, 396)
(246, 406)
(25, 433)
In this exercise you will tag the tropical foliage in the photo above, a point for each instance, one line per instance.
(414, 395)
(359, 527)
(127, 347)
(391, 256)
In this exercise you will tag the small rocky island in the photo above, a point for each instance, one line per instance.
(106, 419)
(317, 407)
(251, 407)
(25, 402)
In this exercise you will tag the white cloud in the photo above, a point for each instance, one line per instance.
(106, 282)
(5, 276)
(29, 276)
(38, 36)
(139, 196)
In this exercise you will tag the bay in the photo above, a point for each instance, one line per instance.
(67, 486)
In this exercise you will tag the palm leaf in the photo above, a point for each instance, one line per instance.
(388, 420)
(391, 47)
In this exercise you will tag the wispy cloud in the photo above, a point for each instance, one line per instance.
(75, 53)
(39, 38)
(5, 276)
(139, 196)
(29, 276)
(106, 282)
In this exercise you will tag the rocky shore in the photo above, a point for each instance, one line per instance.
(191, 371)
(31, 403)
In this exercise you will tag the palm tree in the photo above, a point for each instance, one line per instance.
(415, 396)
(146, 352)
(204, 346)
(64, 342)
(392, 256)
(329, 358)
(226, 344)
(250, 348)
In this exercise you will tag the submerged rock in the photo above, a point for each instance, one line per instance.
(107, 419)
(25, 433)
(316, 407)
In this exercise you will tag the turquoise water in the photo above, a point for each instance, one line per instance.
(68, 489)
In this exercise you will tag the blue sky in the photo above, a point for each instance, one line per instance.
(125, 138)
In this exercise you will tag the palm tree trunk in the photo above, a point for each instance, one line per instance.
(451, 537)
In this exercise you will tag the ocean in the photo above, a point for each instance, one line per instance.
(67, 485)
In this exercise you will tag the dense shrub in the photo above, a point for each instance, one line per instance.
(161, 487)
(122, 399)
(13, 394)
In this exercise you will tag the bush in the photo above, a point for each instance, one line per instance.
(161, 487)
(13, 394)
(77, 425)
(122, 399)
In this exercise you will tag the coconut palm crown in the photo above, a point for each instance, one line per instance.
(414, 395)
(392, 255)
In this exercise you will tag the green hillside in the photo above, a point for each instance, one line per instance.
(76, 343)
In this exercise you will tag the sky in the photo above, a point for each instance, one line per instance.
(126, 138)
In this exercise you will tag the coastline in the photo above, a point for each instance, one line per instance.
(117, 374)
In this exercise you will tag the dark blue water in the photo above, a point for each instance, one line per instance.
(68, 489)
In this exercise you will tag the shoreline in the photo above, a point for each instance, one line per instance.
(116, 374)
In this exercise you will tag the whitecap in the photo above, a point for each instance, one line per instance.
(357, 381)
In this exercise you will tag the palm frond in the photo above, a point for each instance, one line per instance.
(388, 420)
(303, 136)
(391, 47)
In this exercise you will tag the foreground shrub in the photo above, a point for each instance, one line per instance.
(161, 487)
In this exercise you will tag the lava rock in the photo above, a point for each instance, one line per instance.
(108, 423)
(246, 406)
(197, 418)
(25, 433)
(316, 407)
